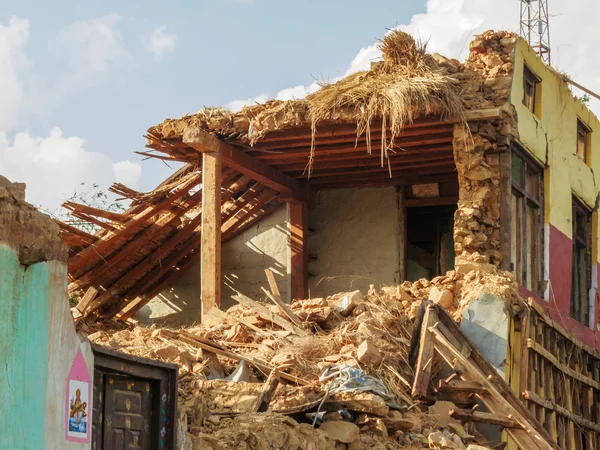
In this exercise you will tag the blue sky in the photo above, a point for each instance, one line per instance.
(93, 69)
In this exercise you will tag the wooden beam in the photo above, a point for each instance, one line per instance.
(431, 201)
(84, 261)
(91, 211)
(340, 132)
(483, 417)
(560, 366)
(172, 270)
(424, 366)
(275, 297)
(553, 406)
(335, 129)
(352, 159)
(239, 160)
(352, 147)
(443, 165)
(210, 250)
(431, 136)
(299, 250)
(267, 314)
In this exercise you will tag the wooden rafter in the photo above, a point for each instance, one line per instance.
(237, 159)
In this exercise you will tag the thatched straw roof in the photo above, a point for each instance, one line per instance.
(408, 83)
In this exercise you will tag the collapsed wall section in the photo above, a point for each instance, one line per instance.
(38, 342)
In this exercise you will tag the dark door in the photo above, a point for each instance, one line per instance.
(127, 413)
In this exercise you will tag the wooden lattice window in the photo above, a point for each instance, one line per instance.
(531, 90)
(582, 262)
(583, 140)
(527, 221)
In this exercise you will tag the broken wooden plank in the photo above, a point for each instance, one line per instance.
(471, 387)
(268, 389)
(87, 298)
(527, 436)
(475, 356)
(267, 314)
(425, 358)
(215, 348)
(275, 297)
(483, 417)
(223, 315)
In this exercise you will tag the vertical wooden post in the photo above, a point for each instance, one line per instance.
(299, 249)
(210, 246)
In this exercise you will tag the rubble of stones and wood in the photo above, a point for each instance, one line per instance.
(321, 373)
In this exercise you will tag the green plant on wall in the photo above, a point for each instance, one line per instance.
(89, 195)
(585, 99)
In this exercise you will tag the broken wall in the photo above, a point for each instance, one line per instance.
(244, 259)
(38, 342)
(354, 240)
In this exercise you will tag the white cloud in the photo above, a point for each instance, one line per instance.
(128, 173)
(13, 93)
(449, 26)
(53, 166)
(160, 43)
(90, 48)
(237, 105)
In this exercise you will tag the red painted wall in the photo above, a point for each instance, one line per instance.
(558, 306)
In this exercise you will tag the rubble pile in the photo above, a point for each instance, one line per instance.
(259, 376)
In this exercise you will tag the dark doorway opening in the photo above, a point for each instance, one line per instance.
(134, 402)
(429, 241)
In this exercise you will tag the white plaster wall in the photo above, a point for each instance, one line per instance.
(63, 344)
(243, 263)
(354, 240)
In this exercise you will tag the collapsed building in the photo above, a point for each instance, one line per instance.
(423, 178)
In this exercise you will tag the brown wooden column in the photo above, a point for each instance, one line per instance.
(299, 249)
(210, 246)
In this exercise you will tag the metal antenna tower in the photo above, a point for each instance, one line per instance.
(535, 26)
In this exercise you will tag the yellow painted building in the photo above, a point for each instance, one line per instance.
(548, 126)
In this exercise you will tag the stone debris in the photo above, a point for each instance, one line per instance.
(246, 383)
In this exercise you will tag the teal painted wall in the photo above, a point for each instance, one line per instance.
(24, 303)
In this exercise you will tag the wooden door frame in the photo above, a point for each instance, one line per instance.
(164, 374)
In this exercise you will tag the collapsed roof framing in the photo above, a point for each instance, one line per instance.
(256, 160)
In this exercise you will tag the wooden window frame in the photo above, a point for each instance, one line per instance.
(165, 376)
(531, 82)
(586, 132)
(581, 314)
(529, 167)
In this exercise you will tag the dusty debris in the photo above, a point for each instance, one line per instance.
(247, 386)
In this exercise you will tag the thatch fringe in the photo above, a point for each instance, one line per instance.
(405, 85)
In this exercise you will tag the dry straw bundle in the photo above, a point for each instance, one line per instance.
(406, 84)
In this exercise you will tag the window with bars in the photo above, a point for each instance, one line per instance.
(582, 262)
(531, 91)
(527, 254)
(583, 140)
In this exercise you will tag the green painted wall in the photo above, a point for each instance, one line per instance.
(24, 294)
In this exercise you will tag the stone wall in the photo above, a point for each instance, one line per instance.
(354, 240)
(38, 342)
(244, 260)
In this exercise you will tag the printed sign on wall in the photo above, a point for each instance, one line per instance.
(78, 401)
